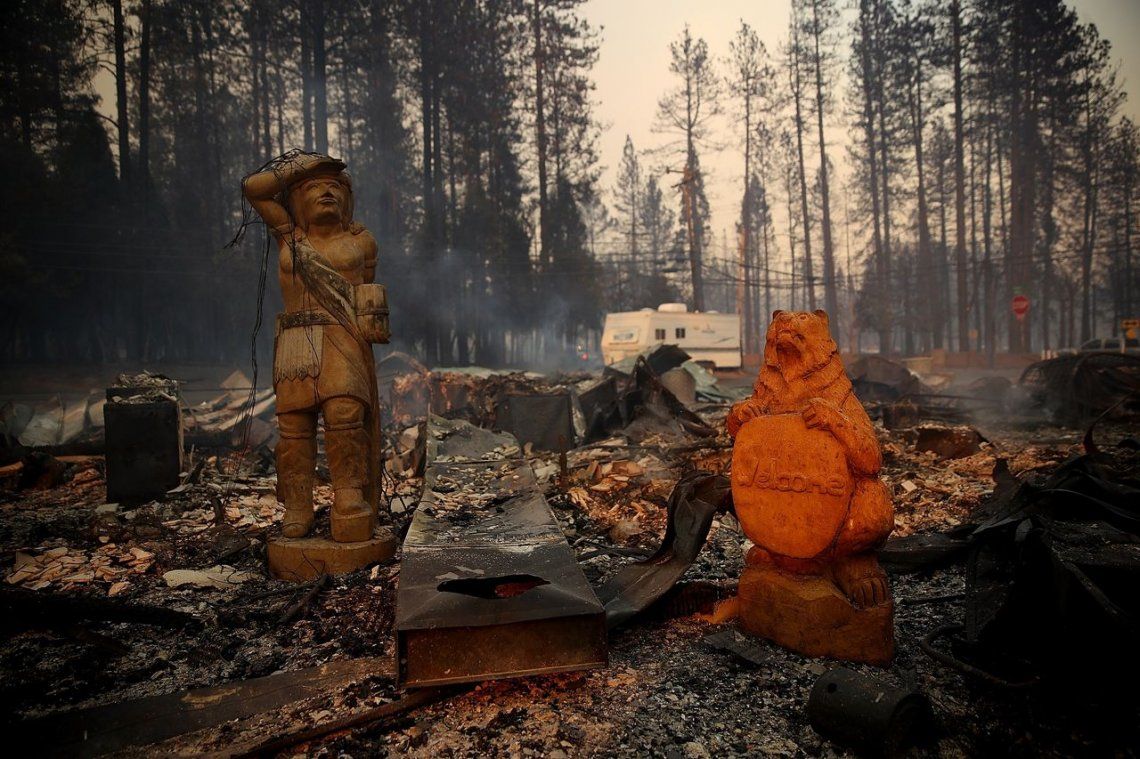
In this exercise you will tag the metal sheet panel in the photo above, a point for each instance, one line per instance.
(541, 419)
(489, 588)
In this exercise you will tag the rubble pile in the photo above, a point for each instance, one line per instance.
(76, 426)
(470, 394)
(929, 493)
(144, 387)
(622, 498)
(1079, 388)
(1052, 566)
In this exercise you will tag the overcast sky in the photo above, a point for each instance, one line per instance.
(633, 71)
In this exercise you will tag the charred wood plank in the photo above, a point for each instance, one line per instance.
(372, 718)
(31, 609)
(140, 722)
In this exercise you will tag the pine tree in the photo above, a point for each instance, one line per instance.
(749, 83)
(685, 112)
(914, 79)
(795, 55)
(817, 19)
(628, 204)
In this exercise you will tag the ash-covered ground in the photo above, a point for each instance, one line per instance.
(666, 692)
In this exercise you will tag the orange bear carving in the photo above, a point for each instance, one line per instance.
(805, 469)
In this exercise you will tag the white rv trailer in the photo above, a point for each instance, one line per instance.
(707, 336)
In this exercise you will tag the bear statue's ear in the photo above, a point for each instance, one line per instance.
(776, 313)
(823, 315)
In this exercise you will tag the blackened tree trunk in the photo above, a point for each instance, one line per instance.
(305, 34)
(266, 120)
(831, 298)
(540, 136)
(886, 274)
(926, 278)
(1049, 232)
(797, 98)
(959, 180)
(1129, 180)
(989, 331)
(866, 77)
(694, 225)
(122, 110)
(320, 79)
(144, 107)
(427, 100)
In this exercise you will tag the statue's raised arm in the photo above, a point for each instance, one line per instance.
(266, 190)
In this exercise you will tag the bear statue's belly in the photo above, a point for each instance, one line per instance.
(790, 484)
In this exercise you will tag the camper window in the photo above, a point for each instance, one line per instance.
(659, 334)
(624, 336)
(680, 332)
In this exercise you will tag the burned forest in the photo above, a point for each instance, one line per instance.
(570, 378)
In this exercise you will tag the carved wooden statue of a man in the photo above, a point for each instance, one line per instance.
(322, 352)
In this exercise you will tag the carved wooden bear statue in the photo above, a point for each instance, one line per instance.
(806, 486)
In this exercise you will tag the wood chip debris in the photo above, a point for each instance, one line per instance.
(249, 513)
(63, 568)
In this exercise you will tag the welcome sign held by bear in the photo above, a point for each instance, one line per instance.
(793, 499)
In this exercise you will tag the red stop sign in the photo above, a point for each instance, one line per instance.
(1020, 306)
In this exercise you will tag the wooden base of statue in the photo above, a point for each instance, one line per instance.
(809, 614)
(304, 559)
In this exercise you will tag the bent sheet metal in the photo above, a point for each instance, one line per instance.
(489, 587)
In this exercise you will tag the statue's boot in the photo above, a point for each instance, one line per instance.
(348, 449)
(296, 463)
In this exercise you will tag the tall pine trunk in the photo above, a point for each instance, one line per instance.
(797, 96)
(959, 181)
(541, 137)
(886, 274)
(1022, 181)
(925, 268)
(831, 297)
(694, 228)
(320, 79)
(427, 99)
(144, 106)
(866, 24)
(1089, 149)
(1129, 283)
(266, 133)
(1049, 232)
(306, 74)
(744, 286)
(121, 114)
(990, 328)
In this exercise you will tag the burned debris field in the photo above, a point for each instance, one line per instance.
(152, 626)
